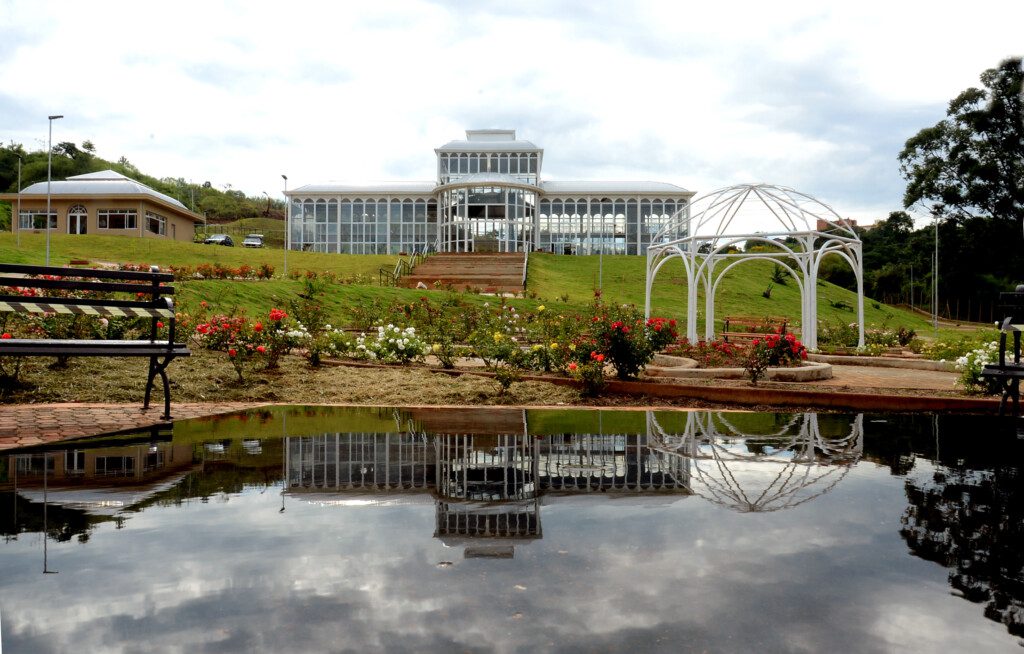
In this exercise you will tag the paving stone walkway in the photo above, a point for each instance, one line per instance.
(32, 424)
(869, 377)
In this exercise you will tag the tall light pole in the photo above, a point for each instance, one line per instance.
(935, 280)
(49, 169)
(17, 225)
(287, 224)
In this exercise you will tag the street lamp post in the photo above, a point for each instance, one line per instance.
(17, 225)
(287, 224)
(935, 281)
(49, 168)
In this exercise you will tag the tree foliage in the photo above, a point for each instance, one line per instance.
(70, 159)
(971, 163)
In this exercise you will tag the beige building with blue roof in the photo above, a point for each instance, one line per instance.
(105, 203)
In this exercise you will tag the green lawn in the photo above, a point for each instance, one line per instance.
(551, 277)
(740, 293)
(124, 249)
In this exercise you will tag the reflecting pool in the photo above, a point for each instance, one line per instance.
(309, 529)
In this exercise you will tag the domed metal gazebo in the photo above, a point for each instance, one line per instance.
(800, 229)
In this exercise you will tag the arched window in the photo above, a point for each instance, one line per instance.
(78, 219)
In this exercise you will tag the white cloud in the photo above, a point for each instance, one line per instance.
(818, 98)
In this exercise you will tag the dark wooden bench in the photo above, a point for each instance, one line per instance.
(97, 290)
(1008, 374)
(744, 329)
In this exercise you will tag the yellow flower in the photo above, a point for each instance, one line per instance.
(572, 346)
(554, 346)
(537, 347)
(497, 336)
(540, 308)
(436, 347)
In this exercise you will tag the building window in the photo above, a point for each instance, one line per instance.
(36, 220)
(117, 219)
(156, 223)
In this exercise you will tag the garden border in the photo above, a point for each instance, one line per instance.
(883, 362)
(751, 396)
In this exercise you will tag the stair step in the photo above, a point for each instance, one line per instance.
(496, 272)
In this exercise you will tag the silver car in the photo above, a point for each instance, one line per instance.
(253, 241)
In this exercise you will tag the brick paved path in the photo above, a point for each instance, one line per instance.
(869, 377)
(31, 424)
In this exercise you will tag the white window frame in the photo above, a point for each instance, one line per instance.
(130, 216)
(27, 219)
(161, 223)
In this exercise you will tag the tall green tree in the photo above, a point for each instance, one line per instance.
(971, 163)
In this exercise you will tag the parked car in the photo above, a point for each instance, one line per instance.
(219, 239)
(253, 241)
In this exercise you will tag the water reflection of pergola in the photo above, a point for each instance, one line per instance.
(758, 472)
(791, 229)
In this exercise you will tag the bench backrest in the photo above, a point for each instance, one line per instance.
(23, 290)
(741, 323)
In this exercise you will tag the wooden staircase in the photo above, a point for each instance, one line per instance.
(488, 272)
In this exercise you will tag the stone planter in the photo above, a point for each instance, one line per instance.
(664, 366)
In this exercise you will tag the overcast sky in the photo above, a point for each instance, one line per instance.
(820, 99)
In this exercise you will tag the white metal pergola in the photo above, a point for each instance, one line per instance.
(800, 229)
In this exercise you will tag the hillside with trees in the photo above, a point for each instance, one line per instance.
(967, 172)
(70, 159)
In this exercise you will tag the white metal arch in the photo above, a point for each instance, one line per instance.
(714, 222)
(796, 465)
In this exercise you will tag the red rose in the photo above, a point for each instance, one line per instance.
(261, 349)
(600, 358)
(159, 325)
(232, 352)
(5, 335)
(572, 366)
(258, 327)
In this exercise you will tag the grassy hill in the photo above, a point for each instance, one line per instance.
(560, 282)
(740, 293)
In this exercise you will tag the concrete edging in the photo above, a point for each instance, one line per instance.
(749, 395)
(684, 368)
(883, 362)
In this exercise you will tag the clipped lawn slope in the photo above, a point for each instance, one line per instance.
(550, 278)
(124, 249)
(740, 293)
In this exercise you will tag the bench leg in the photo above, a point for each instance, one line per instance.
(159, 368)
(1014, 391)
(149, 381)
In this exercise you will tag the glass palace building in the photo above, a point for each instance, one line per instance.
(488, 197)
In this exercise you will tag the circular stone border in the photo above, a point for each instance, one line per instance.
(665, 365)
(884, 362)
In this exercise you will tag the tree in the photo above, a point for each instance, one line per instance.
(971, 163)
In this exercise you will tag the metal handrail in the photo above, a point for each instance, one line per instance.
(526, 261)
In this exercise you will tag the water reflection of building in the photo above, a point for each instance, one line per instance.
(364, 461)
(100, 480)
(616, 463)
(488, 497)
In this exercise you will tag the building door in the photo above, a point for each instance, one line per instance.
(78, 220)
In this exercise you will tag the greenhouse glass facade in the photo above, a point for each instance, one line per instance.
(488, 197)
